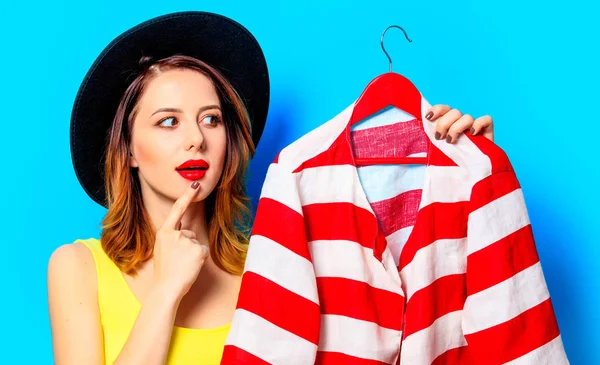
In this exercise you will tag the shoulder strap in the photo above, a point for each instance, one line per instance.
(114, 295)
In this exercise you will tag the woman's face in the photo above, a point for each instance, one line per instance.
(178, 134)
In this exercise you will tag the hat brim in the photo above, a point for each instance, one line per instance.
(211, 38)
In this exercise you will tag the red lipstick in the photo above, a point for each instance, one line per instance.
(192, 169)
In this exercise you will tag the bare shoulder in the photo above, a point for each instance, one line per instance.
(69, 252)
(72, 262)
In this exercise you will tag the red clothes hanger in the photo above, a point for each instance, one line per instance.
(389, 89)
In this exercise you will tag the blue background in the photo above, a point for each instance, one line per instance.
(528, 64)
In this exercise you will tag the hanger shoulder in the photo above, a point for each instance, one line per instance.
(391, 161)
(389, 89)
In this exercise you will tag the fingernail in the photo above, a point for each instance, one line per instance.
(438, 135)
(195, 185)
(472, 131)
(205, 250)
(449, 139)
(429, 115)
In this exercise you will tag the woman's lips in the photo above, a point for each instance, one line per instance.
(192, 174)
(192, 169)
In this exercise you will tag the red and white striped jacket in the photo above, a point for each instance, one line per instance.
(426, 265)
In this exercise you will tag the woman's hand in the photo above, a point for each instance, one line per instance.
(178, 259)
(450, 123)
(178, 256)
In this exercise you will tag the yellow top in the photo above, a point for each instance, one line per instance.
(119, 309)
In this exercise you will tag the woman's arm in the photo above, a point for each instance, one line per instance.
(73, 307)
(149, 339)
(75, 317)
(73, 296)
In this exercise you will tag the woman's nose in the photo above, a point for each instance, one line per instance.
(194, 139)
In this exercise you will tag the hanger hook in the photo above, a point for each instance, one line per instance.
(381, 41)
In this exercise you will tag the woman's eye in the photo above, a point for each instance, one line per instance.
(210, 120)
(168, 122)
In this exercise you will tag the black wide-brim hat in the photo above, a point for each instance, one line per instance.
(212, 38)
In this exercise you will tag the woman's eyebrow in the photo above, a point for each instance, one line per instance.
(175, 110)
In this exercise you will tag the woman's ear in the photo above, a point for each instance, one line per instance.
(132, 162)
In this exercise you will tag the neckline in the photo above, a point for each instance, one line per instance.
(362, 193)
(138, 305)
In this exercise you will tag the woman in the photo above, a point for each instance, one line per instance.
(161, 284)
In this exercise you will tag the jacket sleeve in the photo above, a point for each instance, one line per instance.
(277, 317)
(508, 317)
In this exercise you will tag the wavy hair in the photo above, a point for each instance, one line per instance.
(127, 233)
